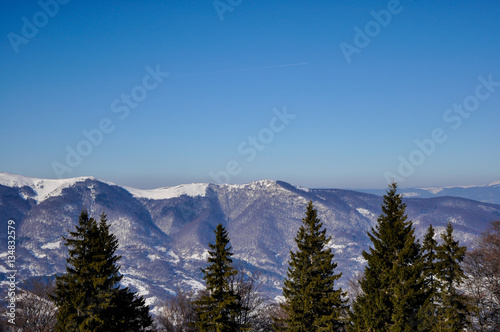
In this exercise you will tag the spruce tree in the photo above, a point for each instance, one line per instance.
(453, 312)
(392, 285)
(219, 306)
(312, 301)
(88, 295)
(428, 312)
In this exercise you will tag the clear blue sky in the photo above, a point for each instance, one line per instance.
(360, 100)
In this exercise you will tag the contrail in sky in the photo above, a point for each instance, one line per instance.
(246, 69)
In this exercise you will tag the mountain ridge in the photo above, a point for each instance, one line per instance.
(464, 191)
(487, 193)
(164, 239)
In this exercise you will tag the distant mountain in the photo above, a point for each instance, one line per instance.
(164, 233)
(489, 193)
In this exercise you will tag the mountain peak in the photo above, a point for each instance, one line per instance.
(43, 188)
(260, 184)
(265, 183)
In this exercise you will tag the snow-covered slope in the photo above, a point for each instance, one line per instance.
(436, 190)
(42, 188)
(193, 190)
(164, 233)
(488, 193)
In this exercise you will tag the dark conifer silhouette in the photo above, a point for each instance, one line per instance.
(392, 285)
(313, 303)
(218, 308)
(88, 295)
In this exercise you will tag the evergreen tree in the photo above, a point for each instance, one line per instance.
(453, 311)
(392, 285)
(312, 302)
(218, 308)
(88, 295)
(428, 313)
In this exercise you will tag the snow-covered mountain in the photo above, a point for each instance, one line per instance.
(164, 233)
(488, 193)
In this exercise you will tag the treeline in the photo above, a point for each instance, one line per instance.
(407, 285)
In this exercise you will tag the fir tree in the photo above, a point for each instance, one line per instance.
(218, 308)
(392, 285)
(312, 302)
(428, 312)
(88, 295)
(453, 311)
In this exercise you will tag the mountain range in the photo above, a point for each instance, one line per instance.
(488, 193)
(164, 233)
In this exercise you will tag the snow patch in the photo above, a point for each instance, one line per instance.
(487, 208)
(262, 184)
(153, 257)
(140, 286)
(24, 196)
(303, 189)
(199, 256)
(193, 190)
(411, 194)
(170, 291)
(194, 284)
(162, 249)
(52, 245)
(365, 212)
(37, 254)
(3, 269)
(151, 300)
(358, 259)
(458, 221)
(339, 248)
(279, 299)
(174, 258)
(433, 190)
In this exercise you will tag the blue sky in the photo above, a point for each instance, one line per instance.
(319, 94)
